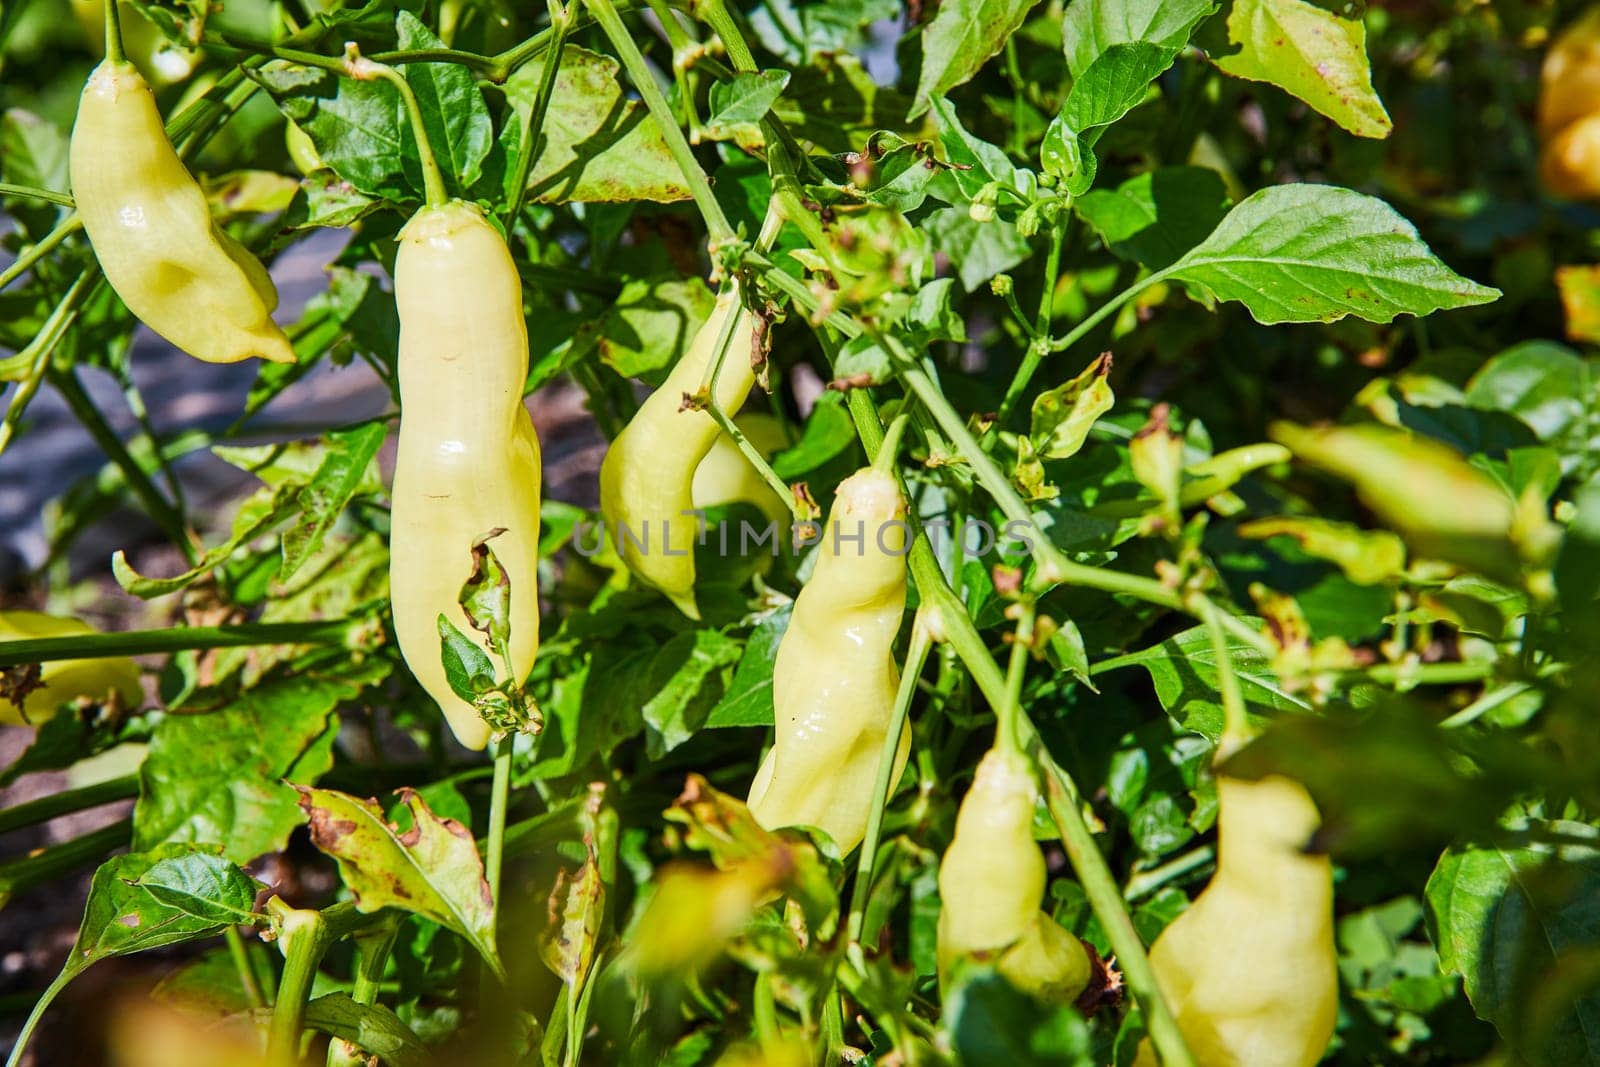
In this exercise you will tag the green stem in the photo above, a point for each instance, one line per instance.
(719, 231)
(165, 515)
(39, 1008)
(533, 127)
(721, 22)
(1235, 726)
(1008, 718)
(1106, 900)
(889, 449)
(141, 642)
(1039, 341)
(242, 965)
(67, 801)
(31, 192)
(499, 796)
(303, 937)
(1146, 882)
(113, 11)
(432, 178)
(372, 956)
(1074, 335)
(1485, 704)
(63, 229)
(35, 356)
(883, 785)
(60, 860)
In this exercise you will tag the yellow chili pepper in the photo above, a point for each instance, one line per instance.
(1569, 111)
(834, 682)
(1250, 969)
(725, 476)
(153, 233)
(468, 460)
(991, 881)
(114, 677)
(647, 477)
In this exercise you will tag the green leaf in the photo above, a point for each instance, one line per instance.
(980, 250)
(348, 468)
(993, 1025)
(165, 896)
(467, 666)
(748, 701)
(828, 433)
(683, 679)
(962, 37)
(1310, 52)
(649, 323)
(1316, 253)
(459, 128)
(596, 144)
(257, 515)
(1114, 84)
(372, 1028)
(744, 101)
(1518, 925)
(219, 778)
(34, 151)
(1549, 387)
(1155, 217)
(432, 869)
(1092, 26)
(1184, 670)
(1367, 557)
(359, 128)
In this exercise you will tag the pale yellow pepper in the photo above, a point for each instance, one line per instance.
(468, 460)
(647, 476)
(1569, 111)
(991, 881)
(1250, 969)
(153, 233)
(112, 677)
(835, 678)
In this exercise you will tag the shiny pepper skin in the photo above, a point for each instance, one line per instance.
(153, 233)
(1249, 970)
(1569, 111)
(991, 881)
(64, 680)
(647, 477)
(834, 681)
(468, 460)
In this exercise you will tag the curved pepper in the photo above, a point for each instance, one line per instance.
(113, 677)
(834, 681)
(1250, 970)
(1569, 111)
(991, 880)
(153, 233)
(647, 476)
(468, 460)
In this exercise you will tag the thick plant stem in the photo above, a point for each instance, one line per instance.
(916, 656)
(243, 968)
(166, 516)
(114, 51)
(372, 956)
(54, 805)
(633, 61)
(141, 642)
(432, 179)
(302, 938)
(1106, 900)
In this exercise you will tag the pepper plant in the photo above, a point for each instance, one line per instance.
(1224, 371)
